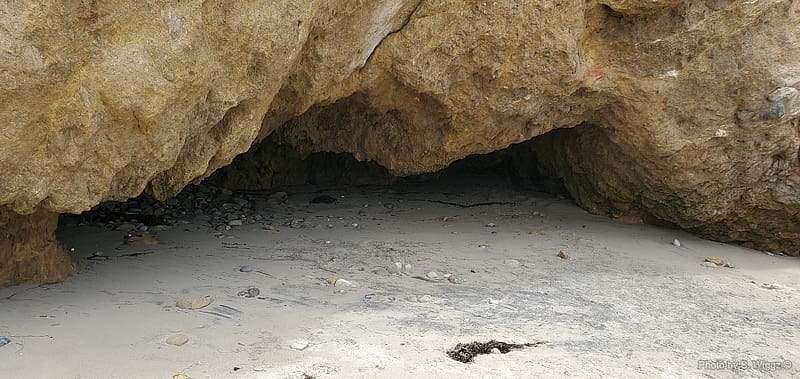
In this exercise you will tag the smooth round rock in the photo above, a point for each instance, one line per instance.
(192, 303)
(178, 340)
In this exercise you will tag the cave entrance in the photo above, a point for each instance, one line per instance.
(271, 165)
(258, 185)
(248, 190)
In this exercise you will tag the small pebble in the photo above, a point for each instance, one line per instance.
(769, 286)
(511, 262)
(376, 299)
(425, 299)
(495, 351)
(299, 345)
(246, 268)
(141, 240)
(491, 225)
(4, 341)
(193, 302)
(715, 260)
(432, 275)
(235, 223)
(343, 283)
(563, 254)
(676, 243)
(452, 279)
(178, 340)
(709, 264)
(249, 293)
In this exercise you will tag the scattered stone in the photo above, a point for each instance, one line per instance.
(412, 299)
(141, 240)
(399, 267)
(389, 205)
(160, 228)
(269, 227)
(563, 254)
(299, 345)
(355, 225)
(490, 225)
(511, 262)
(432, 275)
(718, 262)
(452, 279)
(714, 260)
(4, 341)
(332, 280)
(709, 264)
(249, 293)
(373, 298)
(297, 223)
(235, 223)
(178, 340)
(181, 376)
(425, 299)
(676, 243)
(495, 351)
(769, 286)
(417, 258)
(125, 227)
(280, 196)
(483, 246)
(193, 303)
(343, 283)
(381, 271)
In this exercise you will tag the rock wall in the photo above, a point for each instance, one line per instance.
(695, 104)
(29, 251)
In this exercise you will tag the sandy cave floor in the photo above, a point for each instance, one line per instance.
(627, 303)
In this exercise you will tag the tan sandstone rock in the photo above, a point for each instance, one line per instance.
(29, 251)
(681, 111)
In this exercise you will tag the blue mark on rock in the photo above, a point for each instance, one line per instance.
(775, 110)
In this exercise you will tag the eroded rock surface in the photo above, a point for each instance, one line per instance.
(29, 251)
(688, 109)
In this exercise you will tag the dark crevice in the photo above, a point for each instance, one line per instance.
(272, 164)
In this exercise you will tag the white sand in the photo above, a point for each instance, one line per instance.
(626, 304)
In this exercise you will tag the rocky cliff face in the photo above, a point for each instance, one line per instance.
(686, 111)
